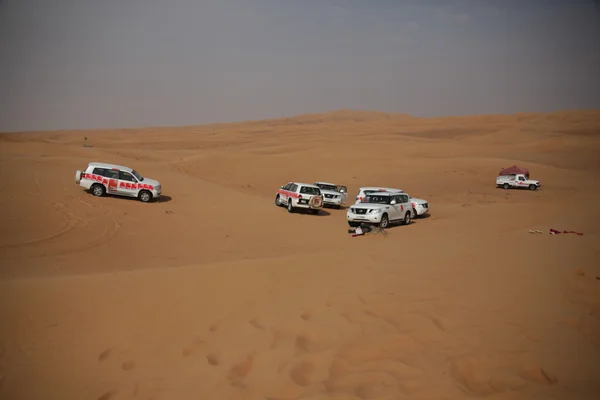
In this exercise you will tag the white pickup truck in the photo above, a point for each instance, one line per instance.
(517, 181)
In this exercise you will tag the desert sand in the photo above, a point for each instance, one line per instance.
(213, 292)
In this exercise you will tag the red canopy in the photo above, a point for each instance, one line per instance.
(514, 170)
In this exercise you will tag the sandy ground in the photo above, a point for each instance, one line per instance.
(216, 293)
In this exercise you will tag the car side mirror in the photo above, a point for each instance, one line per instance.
(393, 202)
(280, 187)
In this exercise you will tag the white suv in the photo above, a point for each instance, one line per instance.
(333, 195)
(299, 195)
(100, 179)
(420, 206)
(381, 208)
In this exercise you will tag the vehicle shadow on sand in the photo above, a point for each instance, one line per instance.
(322, 213)
(161, 199)
(421, 217)
(394, 225)
(342, 208)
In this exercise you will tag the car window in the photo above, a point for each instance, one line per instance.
(374, 199)
(126, 176)
(137, 175)
(293, 188)
(403, 198)
(310, 190)
(111, 173)
(327, 187)
(98, 171)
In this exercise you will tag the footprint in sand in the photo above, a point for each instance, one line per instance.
(128, 366)
(306, 316)
(213, 360)
(125, 366)
(104, 355)
(241, 370)
(107, 396)
(192, 347)
(301, 372)
(213, 327)
(312, 342)
(257, 324)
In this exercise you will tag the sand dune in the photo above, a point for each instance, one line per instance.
(215, 293)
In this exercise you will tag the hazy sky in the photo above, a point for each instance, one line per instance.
(70, 64)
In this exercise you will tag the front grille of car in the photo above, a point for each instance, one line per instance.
(330, 196)
(359, 211)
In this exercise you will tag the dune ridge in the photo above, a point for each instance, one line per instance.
(215, 293)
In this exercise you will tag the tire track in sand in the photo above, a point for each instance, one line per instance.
(71, 222)
(107, 235)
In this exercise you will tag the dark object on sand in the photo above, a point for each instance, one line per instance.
(364, 229)
(556, 232)
(514, 170)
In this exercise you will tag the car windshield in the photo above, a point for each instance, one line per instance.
(137, 175)
(328, 187)
(374, 199)
(310, 190)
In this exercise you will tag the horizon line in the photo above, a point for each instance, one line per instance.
(298, 116)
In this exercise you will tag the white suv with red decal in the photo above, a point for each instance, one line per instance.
(300, 195)
(420, 206)
(100, 179)
(381, 208)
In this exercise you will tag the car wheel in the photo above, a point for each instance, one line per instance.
(145, 196)
(78, 177)
(532, 187)
(290, 207)
(277, 201)
(98, 190)
(407, 218)
(385, 222)
(506, 186)
(415, 212)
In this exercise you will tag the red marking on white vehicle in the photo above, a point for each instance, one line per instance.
(290, 194)
(112, 183)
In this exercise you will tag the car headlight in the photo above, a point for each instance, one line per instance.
(375, 211)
